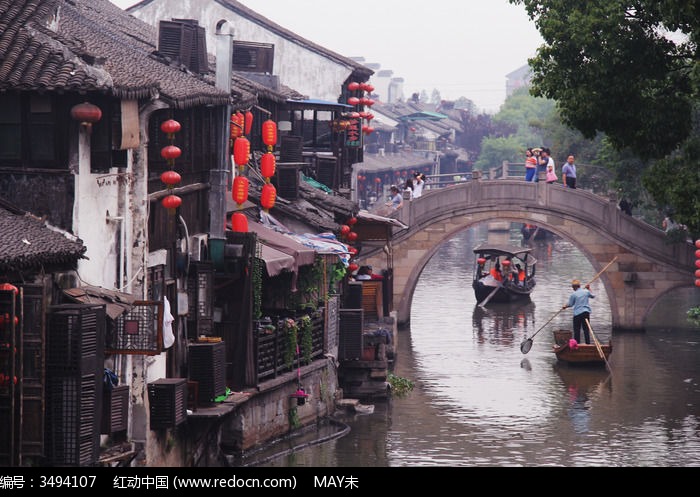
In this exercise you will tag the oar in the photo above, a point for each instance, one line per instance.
(526, 344)
(597, 346)
(485, 301)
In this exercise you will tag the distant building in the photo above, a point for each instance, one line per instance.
(517, 79)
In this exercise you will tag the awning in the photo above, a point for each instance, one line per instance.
(313, 103)
(423, 116)
(276, 261)
(116, 303)
(302, 255)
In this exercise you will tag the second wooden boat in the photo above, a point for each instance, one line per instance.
(583, 354)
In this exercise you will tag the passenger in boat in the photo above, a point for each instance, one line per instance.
(582, 309)
(496, 271)
(521, 275)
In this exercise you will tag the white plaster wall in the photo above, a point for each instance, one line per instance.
(93, 203)
(299, 68)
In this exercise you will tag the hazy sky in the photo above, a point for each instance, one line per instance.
(461, 48)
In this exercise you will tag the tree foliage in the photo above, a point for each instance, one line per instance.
(611, 66)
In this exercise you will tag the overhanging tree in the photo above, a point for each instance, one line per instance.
(630, 70)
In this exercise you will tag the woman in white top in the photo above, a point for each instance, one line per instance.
(418, 183)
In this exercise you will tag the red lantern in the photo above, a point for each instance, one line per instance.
(269, 133)
(267, 165)
(352, 251)
(170, 126)
(5, 319)
(369, 102)
(369, 116)
(268, 196)
(697, 243)
(481, 261)
(344, 229)
(239, 192)
(368, 130)
(171, 202)
(248, 122)
(352, 236)
(697, 283)
(352, 221)
(352, 267)
(241, 151)
(697, 273)
(86, 113)
(353, 101)
(239, 222)
(354, 86)
(354, 115)
(170, 152)
(369, 88)
(377, 180)
(9, 288)
(237, 125)
(170, 178)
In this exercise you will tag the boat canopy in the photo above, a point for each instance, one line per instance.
(522, 253)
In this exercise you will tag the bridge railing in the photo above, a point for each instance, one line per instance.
(596, 178)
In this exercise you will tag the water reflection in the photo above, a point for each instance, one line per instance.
(479, 401)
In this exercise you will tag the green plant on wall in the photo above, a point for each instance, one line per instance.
(309, 284)
(257, 270)
(306, 327)
(336, 275)
(291, 330)
(294, 421)
(694, 315)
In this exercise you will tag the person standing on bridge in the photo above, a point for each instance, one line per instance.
(418, 184)
(530, 164)
(396, 201)
(568, 173)
(582, 309)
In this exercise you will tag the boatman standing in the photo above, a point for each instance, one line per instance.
(582, 309)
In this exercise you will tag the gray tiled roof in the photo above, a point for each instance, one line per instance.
(91, 45)
(29, 242)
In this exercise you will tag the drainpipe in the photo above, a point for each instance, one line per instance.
(218, 177)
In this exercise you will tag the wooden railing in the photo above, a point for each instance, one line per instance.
(276, 353)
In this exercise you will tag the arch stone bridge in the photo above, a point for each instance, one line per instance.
(646, 268)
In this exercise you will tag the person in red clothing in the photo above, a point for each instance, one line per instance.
(521, 275)
(496, 272)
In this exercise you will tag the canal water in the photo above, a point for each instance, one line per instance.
(479, 401)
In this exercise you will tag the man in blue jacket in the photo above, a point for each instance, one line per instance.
(582, 309)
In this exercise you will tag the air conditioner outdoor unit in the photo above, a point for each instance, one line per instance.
(198, 246)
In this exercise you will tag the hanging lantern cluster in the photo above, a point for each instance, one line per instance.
(359, 99)
(170, 153)
(268, 164)
(241, 124)
(349, 236)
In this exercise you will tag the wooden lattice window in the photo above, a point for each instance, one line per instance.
(138, 331)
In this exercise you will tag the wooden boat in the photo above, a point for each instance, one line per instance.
(583, 355)
(501, 260)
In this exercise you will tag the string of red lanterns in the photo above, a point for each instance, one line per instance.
(240, 124)
(268, 195)
(362, 101)
(171, 177)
